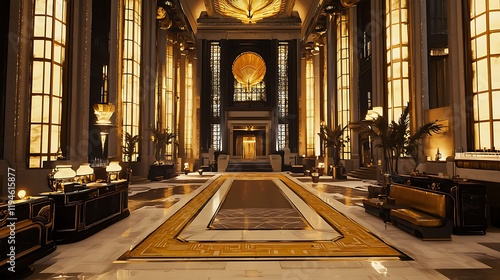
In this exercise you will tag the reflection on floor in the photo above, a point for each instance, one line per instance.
(465, 257)
(244, 208)
(158, 197)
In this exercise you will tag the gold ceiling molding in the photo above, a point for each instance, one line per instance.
(349, 3)
(249, 69)
(249, 11)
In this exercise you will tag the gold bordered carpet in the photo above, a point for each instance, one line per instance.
(355, 241)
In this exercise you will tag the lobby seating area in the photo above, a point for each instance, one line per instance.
(426, 214)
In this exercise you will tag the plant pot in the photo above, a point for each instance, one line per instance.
(315, 177)
(337, 172)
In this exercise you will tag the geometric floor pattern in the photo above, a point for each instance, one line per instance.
(355, 241)
(258, 218)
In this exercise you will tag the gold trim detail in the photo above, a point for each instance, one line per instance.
(356, 241)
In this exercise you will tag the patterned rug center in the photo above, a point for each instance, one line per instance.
(255, 205)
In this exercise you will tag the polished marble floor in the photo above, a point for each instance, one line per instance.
(465, 257)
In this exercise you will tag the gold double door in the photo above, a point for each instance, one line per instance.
(249, 147)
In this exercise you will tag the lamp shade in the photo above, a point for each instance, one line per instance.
(249, 69)
(114, 166)
(103, 112)
(64, 172)
(84, 169)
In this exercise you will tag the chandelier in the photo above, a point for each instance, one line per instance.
(249, 11)
(349, 3)
(249, 69)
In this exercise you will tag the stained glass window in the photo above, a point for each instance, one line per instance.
(283, 132)
(215, 94)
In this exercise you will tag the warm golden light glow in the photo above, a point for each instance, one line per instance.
(485, 50)
(310, 105)
(249, 69)
(103, 112)
(188, 113)
(47, 83)
(131, 73)
(114, 166)
(249, 11)
(21, 194)
(343, 79)
(398, 59)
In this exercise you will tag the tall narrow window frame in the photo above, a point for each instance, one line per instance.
(437, 42)
(485, 64)
(169, 93)
(47, 81)
(398, 57)
(310, 108)
(131, 90)
(215, 95)
(188, 114)
(343, 79)
(283, 92)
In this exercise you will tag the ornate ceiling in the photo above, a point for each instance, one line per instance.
(192, 16)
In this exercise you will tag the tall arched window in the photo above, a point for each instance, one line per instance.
(485, 55)
(47, 83)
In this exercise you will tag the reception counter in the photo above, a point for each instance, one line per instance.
(88, 209)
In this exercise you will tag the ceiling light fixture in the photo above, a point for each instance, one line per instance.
(249, 11)
(349, 3)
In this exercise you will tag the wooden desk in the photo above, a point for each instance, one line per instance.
(84, 212)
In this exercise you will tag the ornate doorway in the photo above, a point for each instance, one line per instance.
(250, 139)
(249, 149)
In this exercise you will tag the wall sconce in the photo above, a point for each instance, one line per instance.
(113, 171)
(64, 177)
(85, 173)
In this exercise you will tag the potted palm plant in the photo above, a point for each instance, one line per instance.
(334, 139)
(161, 138)
(128, 149)
(395, 138)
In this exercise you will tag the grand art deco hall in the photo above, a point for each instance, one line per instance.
(249, 139)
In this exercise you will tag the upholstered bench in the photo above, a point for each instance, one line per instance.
(424, 213)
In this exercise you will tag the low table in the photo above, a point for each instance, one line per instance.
(164, 171)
